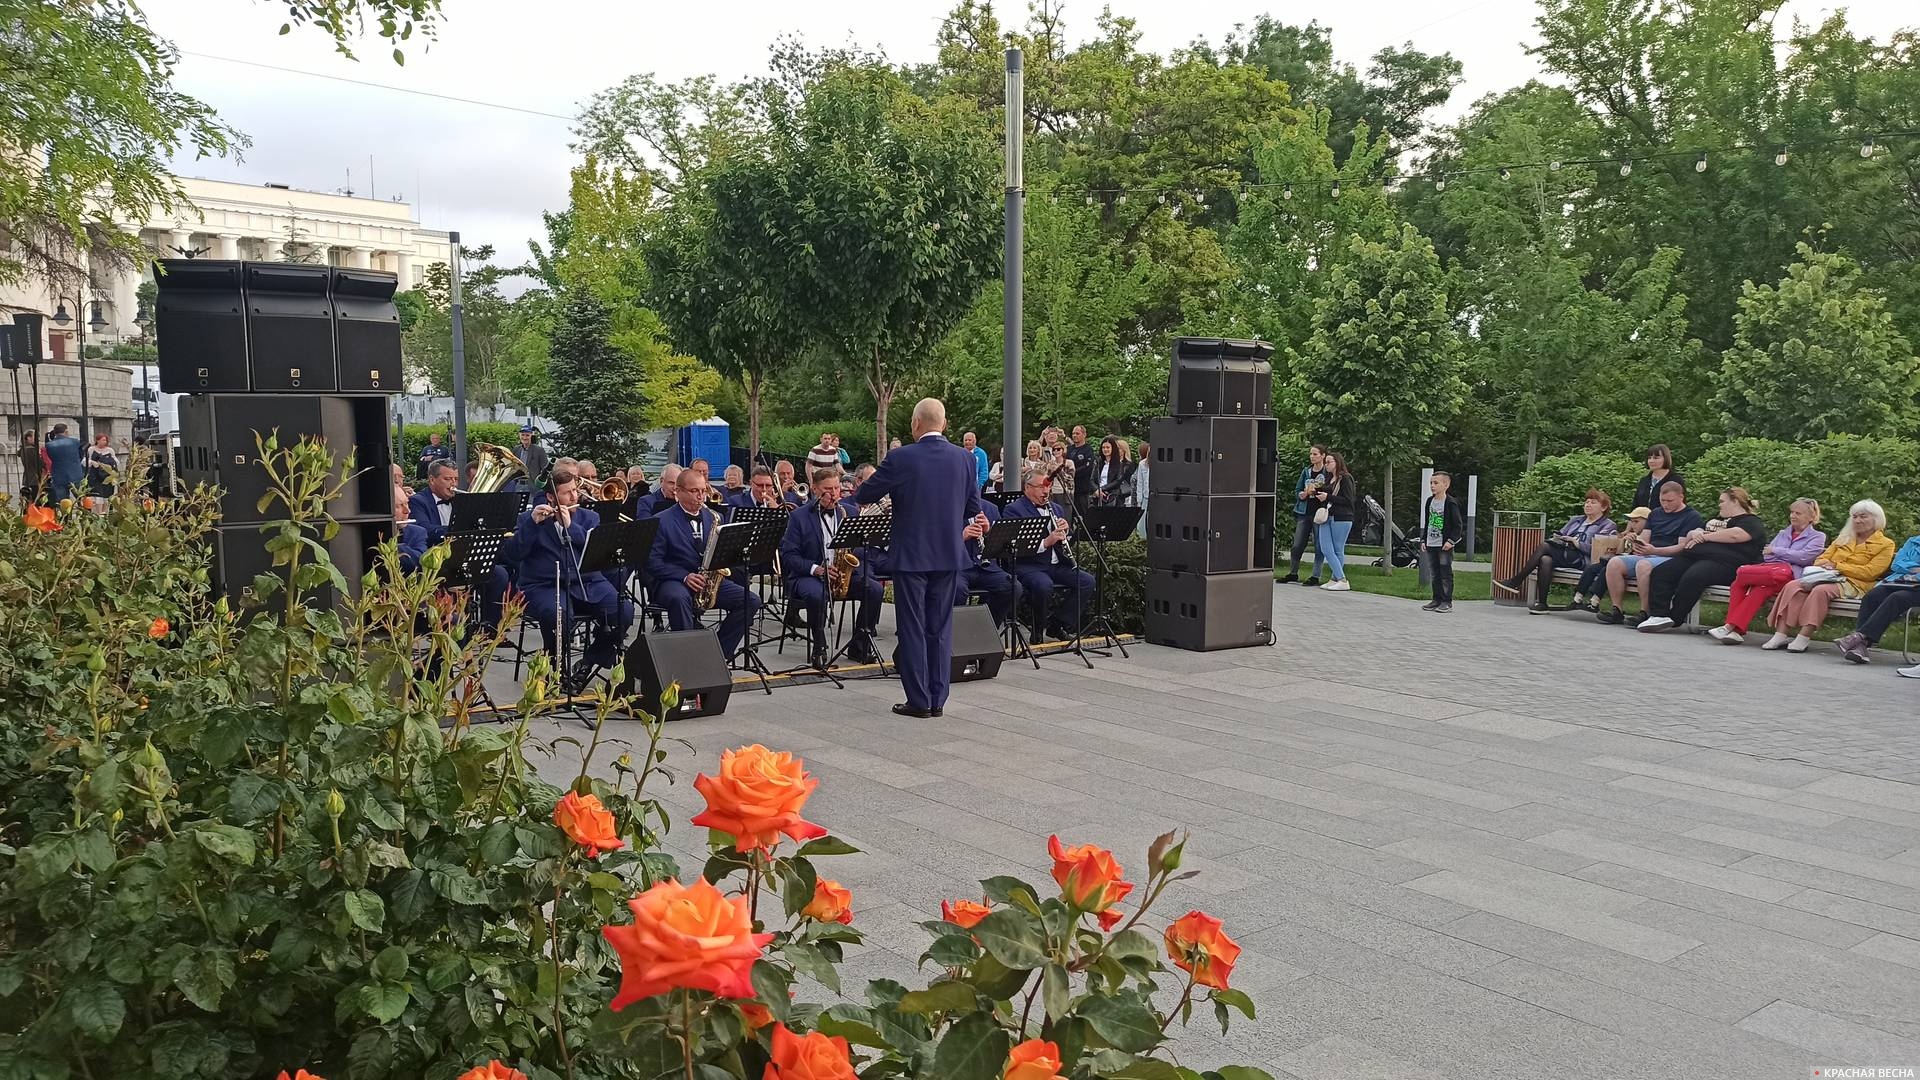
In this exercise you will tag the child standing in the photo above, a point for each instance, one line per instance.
(1445, 525)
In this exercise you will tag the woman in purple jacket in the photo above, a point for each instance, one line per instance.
(1568, 549)
(1793, 550)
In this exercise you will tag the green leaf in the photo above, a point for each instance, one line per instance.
(383, 1001)
(229, 842)
(390, 964)
(827, 845)
(203, 978)
(496, 844)
(973, 1049)
(771, 985)
(94, 850)
(1001, 890)
(942, 997)
(1237, 999)
(1130, 943)
(1056, 992)
(97, 1010)
(852, 1023)
(412, 895)
(810, 961)
(1014, 938)
(1145, 1069)
(996, 980)
(366, 909)
(954, 950)
(796, 891)
(371, 1056)
(1123, 1024)
(1242, 1072)
(250, 798)
(458, 886)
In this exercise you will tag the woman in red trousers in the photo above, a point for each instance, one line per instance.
(1793, 550)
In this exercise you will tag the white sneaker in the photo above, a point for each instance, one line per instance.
(1655, 624)
(1337, 585)
(1909, 672)
(1799, 644)
(1726, 635)
(1776, 643)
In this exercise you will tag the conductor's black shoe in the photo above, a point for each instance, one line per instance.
(917, 714)
(1290, 579)
(862, 650)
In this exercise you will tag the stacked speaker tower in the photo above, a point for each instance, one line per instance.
(301, 350)
(1211, 499)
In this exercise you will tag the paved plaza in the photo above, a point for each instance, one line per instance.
(1475, 845)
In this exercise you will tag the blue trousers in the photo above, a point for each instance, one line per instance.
(1330, 539)
(738, 603)
(1076, 592)
(993, 584)
(923, 607)
(811, 594)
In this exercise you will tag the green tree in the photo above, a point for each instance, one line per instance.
(1817, 355)
(426, 343)
(595, 398)
(1381, 375)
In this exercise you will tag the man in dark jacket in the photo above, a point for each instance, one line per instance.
(64, 458)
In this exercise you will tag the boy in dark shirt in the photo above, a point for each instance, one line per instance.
(1444, 526)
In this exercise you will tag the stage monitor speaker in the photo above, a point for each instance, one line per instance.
(1214, 455)
(1204, 612)
(200, 326)
(976, 644)
(1220, 377)
(240, 555)
(219, 446)
(366, 331)
(1210, 534)
(290, 328)
(691, 658)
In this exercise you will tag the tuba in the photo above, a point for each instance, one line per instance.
(495, 467)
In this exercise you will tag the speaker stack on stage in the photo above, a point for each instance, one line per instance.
(1211, 500)
(306, 350)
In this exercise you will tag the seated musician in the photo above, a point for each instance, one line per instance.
(674, 565)
(736, 493)
(551, 538)
(646, 504)
(1052, 566)
(409, 536)
(804, 559)
(790, 493)
(432, 509)
(763, 490)
(985, 576)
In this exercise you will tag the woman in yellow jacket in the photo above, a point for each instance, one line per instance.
(1860, 555)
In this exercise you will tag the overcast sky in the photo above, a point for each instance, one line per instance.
(489, 172)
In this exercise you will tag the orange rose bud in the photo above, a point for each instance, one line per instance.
(831, 903)
(964, 913)
(1110, 918)
(159, 628)
(1197, 944)
(812, 1056)
(41, 519)
(755, 1014)
(685, 938)
(587, 823)
(301, 1074)
(757, 796)
(493, 1070)
(1033, 1060)
(1089, 876)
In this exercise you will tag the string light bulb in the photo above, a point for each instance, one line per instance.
(1335, 192)
(1866, 147)
(1626, 168)
(1286, 191)
(1439, 183)
(1700, 163)
(1781, 157)
(1121, 198)
(1554, 165)
(1506, 173)
(1163, 198)
(1089, 200)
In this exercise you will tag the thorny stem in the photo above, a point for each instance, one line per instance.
(1186, 995)
(686, 1042)
(553, 942)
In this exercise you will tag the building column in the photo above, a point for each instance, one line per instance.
(227, 246)
(180, 240)
(360, 258)
(405, 260)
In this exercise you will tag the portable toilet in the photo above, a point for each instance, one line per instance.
(709, 439)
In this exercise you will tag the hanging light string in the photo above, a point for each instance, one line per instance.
(1783, 153)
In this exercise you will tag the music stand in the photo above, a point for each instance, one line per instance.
(1008, 540)
(487, 511)
(1102, 524)
(872, 531)
(1001, 498)
(608, 509)
(732, 544)
(469, 566)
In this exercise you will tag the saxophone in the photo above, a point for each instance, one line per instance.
(710, 595)
(840, 573)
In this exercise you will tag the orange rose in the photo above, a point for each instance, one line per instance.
(1033, 1060)
(756, 796)
(831, 903)
(685, 937)
(587, 823)
(301, 1074)
(159, 628)
(1089, 876)
(41, 519)
(493, 1070)
(812, 1056)
(755, 1014)
(964, 913)
(1196, 944)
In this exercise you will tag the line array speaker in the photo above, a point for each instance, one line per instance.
(240, 555)
(1204, 612)
(231, 327)
(1210, 534)
(219, 446)
(1214, 455)
(1220, 377)
(691, 658)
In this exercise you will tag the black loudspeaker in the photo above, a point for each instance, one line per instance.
(240, 555)
(13, 343)
(31, 325)
(366, 331)
(290, 327)
(976, 644)
(218, 446)
(201, 326)
(1210, 534)
(691, 658)
(1215, 455)
(1204, 612)
(1216, 377)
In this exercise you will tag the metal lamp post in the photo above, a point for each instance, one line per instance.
(144, 320)
(98, 324)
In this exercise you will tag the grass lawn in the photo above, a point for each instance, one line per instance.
(1406, 583)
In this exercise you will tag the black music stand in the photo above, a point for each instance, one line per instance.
(1001, 498)
(1103, 524)
(873, 531)
(732, 544)
(487, 511)
(608, 509)
(469, 566)
(754, 515)
(1009, 540)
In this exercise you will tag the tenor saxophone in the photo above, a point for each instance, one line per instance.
(710, 595)
(840, 573)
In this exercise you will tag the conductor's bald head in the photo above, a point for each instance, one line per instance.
(929, 416)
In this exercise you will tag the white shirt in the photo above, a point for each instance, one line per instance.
(829, 525)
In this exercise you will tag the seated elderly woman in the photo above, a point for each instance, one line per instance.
(1793, 550)
(1847, 568)
(1710, 555)
(1897, 593)
(1570, 548)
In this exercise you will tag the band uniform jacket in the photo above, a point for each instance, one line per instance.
(931, 481)
(676, 553)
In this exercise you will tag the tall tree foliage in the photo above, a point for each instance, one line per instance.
(596, 399)
(488, 319)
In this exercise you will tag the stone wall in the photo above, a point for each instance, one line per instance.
(109, 399)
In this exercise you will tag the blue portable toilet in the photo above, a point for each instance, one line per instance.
(709, 439)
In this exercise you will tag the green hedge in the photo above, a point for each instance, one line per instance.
(794, 440)
(415, 440)
(1125, 587)
(1837, 471)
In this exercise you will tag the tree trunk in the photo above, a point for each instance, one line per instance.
(754, 387)
(1386, 526)
(883, 389)
(1533, 446)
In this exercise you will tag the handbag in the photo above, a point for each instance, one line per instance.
(1321, 515)
(1820, 575)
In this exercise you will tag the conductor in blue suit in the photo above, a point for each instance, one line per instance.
(432, 509)
(674, 565)
(931, 481)
(1052, 566)
(551, 538)
(804, 558)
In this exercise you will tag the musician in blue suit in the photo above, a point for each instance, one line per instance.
(674, 565)
(409, 537)
(1052, 566)
(931, 482)
(804, 558)
(551, 539)
(432, 509)
(985, 576)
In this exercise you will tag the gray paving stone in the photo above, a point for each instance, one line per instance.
(1583, 923)
(1777, 917)
(1711, 876)
(1899, 950)
(1833, 1038)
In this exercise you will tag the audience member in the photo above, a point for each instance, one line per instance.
(1660, 541)
(1710, 555)
(1858, 556)
(1568, 549)
(1313, 476)
(1896, 594)
(1793, 549)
